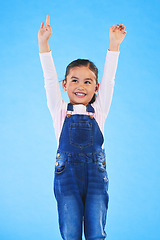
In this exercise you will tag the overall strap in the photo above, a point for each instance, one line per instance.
(90, 110)
(70, 107)
(69, 110)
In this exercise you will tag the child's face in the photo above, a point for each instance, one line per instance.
(80, 85)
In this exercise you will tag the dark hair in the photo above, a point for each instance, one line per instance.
(86, 63)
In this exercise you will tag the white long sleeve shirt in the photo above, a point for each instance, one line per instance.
(58, 106)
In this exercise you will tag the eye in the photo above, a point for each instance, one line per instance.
(74, 80)
(87, 82)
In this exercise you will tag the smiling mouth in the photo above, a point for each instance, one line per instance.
(79, 94)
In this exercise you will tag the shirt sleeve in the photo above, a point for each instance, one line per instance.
(105, 94)
(51, 84)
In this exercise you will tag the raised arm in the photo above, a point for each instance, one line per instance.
(53, 93)
(104, 98)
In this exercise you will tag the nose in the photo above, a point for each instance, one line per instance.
(80, 86)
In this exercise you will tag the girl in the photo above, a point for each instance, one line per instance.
(81, 180)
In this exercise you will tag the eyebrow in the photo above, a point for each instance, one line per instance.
(74, 77)
(84, 79)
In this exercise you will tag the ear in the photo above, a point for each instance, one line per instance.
(64, 85)
(96, 88)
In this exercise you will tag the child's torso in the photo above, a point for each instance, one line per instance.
(80, 109)
(80, 132)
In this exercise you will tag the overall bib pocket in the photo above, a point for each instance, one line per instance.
(80, 134)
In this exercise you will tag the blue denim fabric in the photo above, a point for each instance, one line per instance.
(81, 180)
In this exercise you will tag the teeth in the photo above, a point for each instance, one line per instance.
(80, 94)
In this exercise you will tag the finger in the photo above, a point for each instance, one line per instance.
(122, 26)
(116, 28)
(124, 32)
(119, 25)
(112, 27)
(42, 25)
(47, 20)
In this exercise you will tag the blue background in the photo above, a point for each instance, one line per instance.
(27, 141)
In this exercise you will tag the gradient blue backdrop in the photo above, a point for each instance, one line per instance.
(27, 142)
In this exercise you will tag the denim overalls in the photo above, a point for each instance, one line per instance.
(81, 181)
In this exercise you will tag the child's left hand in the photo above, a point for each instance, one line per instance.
(117, 34)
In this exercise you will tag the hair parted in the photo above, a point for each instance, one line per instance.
(86, 63)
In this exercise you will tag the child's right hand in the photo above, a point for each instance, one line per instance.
(44, 34)
(45, 31)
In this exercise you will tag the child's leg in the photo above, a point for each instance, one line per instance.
(95, 217)
(68, 190)
(96, 203)
(70, 213)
